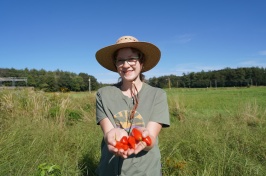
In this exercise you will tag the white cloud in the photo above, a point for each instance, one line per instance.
(184, 38)
(195, 67)
(157, 73)
(112, 77)
(181, 39)
(253, 63)
(182, 68)
(263, 53)
(107, 77)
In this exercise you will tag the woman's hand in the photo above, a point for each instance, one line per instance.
(152, 130)
(141, 145)
(111, 139)
(111, 136)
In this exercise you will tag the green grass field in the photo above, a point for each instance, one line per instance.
(213, 132)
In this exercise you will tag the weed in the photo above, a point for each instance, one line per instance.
(49, 170)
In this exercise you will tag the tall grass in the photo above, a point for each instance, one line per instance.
(39, 128)
(222, 132)
(213, 132)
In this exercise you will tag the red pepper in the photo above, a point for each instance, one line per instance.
(147, 140)
(125, 147)
(124, 140)
(137, 134)
(131, 142)
(118, 145)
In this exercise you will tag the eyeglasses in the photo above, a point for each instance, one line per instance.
(131, 61)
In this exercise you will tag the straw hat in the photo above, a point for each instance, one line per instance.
(152, 54)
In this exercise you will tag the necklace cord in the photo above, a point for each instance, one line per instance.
(136, 103)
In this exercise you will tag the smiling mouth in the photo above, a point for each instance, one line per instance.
(127, 71)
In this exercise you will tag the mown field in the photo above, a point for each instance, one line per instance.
(213, 132)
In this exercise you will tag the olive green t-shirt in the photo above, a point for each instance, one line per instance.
(113, 104)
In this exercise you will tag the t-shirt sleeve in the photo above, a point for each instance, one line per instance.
(160, 111)
(100, 112)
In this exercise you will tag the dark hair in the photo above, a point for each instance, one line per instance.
(134, 50)
(141, 60)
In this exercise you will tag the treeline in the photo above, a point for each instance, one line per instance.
(51, 81)
(253, 76)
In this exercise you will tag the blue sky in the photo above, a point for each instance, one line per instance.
(193, 35)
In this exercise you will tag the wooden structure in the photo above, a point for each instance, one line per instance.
(13, 80)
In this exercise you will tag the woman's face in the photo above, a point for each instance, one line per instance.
(127, 64)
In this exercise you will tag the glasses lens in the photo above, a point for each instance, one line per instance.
(131, 61)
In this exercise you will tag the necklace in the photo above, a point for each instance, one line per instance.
(135, 100)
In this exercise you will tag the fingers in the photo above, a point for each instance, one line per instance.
(130, 152)
(112, 149)
(140, 146)
(116, 152)
(116, 134)
(145, 133)
(124, 154)
(121, 153)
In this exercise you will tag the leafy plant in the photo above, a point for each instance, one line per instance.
(49, 169)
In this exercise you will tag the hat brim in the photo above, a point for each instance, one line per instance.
(152, 54)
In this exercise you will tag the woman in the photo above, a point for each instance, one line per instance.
(130, 104)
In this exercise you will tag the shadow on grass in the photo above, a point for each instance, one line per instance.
(88, 165)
